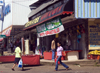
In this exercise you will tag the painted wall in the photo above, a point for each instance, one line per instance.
(19, 12)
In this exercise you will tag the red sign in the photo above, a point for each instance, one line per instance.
(52, 13)
(6, 32)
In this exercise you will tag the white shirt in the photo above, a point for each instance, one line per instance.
(59, 51)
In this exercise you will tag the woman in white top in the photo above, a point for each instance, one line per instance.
(59, 54)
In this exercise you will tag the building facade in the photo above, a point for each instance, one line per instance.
(15, 16)
(56, 19)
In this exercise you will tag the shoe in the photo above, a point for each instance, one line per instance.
(13, 69)
(55, 70)
(23, 70)
(67, 68)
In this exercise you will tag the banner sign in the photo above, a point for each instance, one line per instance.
(1, 2)
(6, 32)
(94, 35)
(49, 28)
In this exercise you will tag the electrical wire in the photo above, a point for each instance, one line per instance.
(19, 1)
(20, 4)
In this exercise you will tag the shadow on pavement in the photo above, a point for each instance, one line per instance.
(27, 69)
(64, 69)
(32, 65)
(6, 62)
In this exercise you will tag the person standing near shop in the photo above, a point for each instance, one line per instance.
(53, 46)
(59, 55)
(17, 56)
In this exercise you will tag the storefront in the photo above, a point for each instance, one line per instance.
(60, 23)
(90, 10)
(10, 32)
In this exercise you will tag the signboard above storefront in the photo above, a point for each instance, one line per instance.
(7, 10)
(1, 2)
(6, 32)
(87, 8)
(2, 36)
(49, 28)
(59, 9)
(94, 34)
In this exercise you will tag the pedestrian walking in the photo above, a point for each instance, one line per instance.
(17, 56)
(59, 54)
(53, 46)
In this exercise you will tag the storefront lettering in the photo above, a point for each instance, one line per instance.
(50, 8)
(54, 31)
(36, 20)
(94, 35)
(51, 13)
(51, 27)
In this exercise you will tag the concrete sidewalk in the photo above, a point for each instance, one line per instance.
(81, 62)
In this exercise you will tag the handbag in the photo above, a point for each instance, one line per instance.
(56, 60)
(20, 63)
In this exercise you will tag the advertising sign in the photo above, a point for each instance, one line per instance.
(49, 28)
(1, 2)
(94, 35)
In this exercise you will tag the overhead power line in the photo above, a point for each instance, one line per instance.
(20, 4)
(19, 1)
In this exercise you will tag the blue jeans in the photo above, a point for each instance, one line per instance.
(59, 59)
(53, 54)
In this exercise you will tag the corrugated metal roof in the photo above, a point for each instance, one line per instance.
(87, 8)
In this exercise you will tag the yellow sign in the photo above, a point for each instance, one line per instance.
(94, 35)
(36, 20)
(57, 35)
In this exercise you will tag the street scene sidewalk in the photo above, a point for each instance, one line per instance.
(48, 68)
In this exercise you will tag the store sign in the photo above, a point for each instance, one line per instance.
(36, 20)
(94, 35)
(2, 36)
(6, 33)
(50, 12)
(54, 6)
(1, 2)
(49, 28)
(46, 16)
(7, 10)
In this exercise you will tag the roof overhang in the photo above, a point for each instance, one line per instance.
(66, 8)
(44, 5)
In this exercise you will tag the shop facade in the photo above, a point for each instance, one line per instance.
(90, 10)
(10, 33)
(58, 21)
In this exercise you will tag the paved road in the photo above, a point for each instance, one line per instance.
(6, 68)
